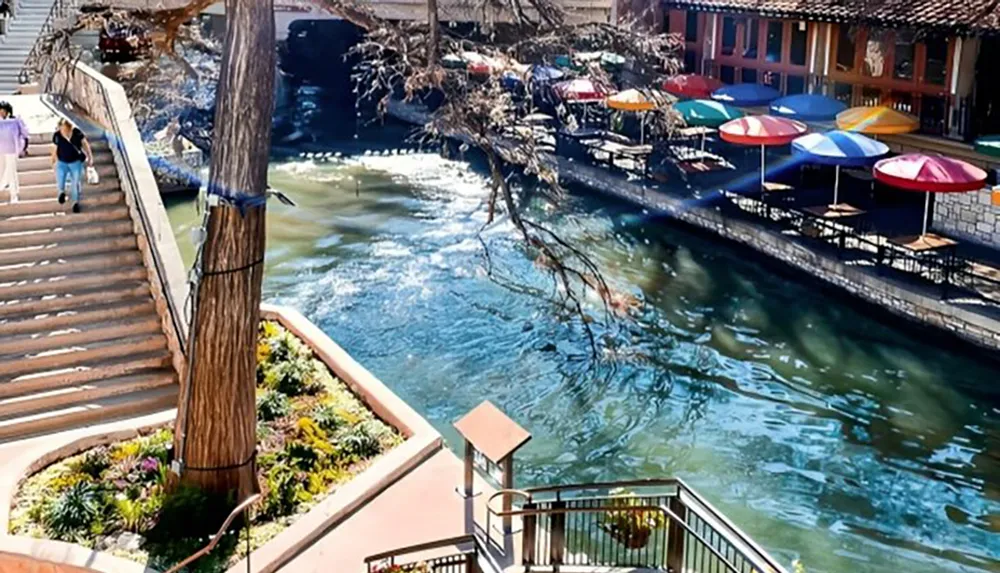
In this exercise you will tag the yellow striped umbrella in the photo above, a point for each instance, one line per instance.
(880, 120)
(630, 100)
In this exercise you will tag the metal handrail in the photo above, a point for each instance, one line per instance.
(458, 540)
(133, 188)
(58, 10)
(215, 538)
(733, 532)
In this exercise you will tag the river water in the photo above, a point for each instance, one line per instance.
(825, 430)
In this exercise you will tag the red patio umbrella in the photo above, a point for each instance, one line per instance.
(930, 174)
(692, 86)
(762, 130)
(582, 90)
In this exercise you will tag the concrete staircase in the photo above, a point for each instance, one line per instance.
(80, 338)
(16, 44)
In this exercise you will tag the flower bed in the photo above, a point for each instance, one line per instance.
(312, 432)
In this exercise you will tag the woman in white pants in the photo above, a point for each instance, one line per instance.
(13, 143)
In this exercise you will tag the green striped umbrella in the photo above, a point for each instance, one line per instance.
(706, 113)
(989, 145)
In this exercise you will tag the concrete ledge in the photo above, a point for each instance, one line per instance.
(60, 557)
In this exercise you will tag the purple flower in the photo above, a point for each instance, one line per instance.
(150, 465)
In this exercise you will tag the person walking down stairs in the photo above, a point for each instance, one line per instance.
(13, 144)
(68, 156)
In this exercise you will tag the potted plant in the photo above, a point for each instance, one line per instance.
(629, 527)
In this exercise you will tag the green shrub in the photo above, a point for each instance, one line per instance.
(190, 512)
(283, 492)
(134, 514)
(76, 508)
(363, 441)
(93, 463)
(327, 418)
(271, 405)
(156, 445)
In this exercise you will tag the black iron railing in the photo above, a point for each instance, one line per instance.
(33, 65)
(451, 555)
(658, 524)
(862, 244)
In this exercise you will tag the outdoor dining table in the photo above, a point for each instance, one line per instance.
(834, 211)
(926, 243)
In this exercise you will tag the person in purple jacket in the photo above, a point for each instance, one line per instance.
(13, 144)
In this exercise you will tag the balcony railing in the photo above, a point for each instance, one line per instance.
(452, 555)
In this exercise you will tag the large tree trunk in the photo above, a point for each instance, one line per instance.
(216, 434)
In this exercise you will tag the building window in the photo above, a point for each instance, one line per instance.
(797, 51)
(775, 40)
(932, 115)
(902, 61)
(666, 22)
(875, 54)
(748, 76)
(935, 62)
(871, 97)
(772, 79)
(843, 92)
(845, 49)
(727, 74)
(795, 85)
(691, 26)
(750, 33)
(728, 35)
(690, 62)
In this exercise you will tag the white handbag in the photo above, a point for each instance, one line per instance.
(92, 177)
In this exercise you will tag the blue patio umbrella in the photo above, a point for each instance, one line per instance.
(807, 107)
(511, 81)
(840, 149)
(746, 95)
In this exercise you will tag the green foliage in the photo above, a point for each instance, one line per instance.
(271, 405)
(283, 492)
(285, 364)
(93, 463)
(78, 507)
(135, 515)
(327, 418)
(631, 528)
(190, 512)
(311, 448)
(798, 567)
(126, 451)
(364, 440)
(62, 482)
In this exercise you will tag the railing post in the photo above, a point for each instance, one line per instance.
(675, 537)
(508, 484)
(557, 541)
(469, 478)
(471, 562)
(528, 536)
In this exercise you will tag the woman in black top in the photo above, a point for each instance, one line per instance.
(70, 151)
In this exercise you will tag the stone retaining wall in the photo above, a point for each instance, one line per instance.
(970, 216)
(907, 301)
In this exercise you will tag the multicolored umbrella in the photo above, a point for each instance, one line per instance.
(880, 120)
(930, 174)
(706, 113)
(581, 90)
(746, 95)
(631, 100)
(692, 86)
(841, 149)
(807, 107)
(762, 130)
(545, 74)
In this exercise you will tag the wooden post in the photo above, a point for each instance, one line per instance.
(675, 537)
(470, 454)
(508, 483)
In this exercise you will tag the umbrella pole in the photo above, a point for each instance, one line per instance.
(762, 167)
(927, 210)
(703, 142)
(836, 185)
(642, 128)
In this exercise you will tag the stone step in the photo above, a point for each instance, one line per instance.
(38, 254)
(89, 413)
(42, 163)
(83, 393)
(48, 175)
(93, 331)
(68, 284)
(49, 190)
(84, 374)
(52, 204)
(45, 149)
(46, 323)
(82, 355)
(81, 299)
(58, 236)
(14, 275)
(64, 220)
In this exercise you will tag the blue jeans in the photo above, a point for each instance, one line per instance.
(71, 173)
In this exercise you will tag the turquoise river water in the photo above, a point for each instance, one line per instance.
(828, 432)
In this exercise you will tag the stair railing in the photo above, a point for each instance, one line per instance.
(33, 65)
(218, 536)
(461, 560)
